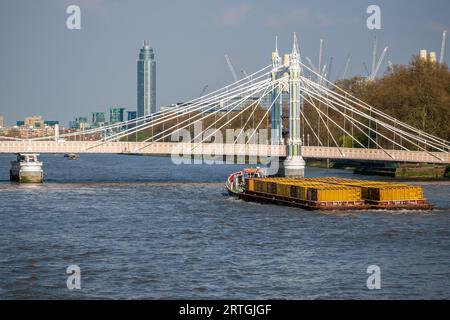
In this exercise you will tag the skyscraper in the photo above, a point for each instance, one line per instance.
(146, 81)
(116, 115)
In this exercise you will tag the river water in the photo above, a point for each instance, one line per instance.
(145, 228)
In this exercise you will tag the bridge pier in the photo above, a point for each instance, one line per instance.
(293, 167)
(26, 169)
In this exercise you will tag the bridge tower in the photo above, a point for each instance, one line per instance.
(294, 165)
(276, 135)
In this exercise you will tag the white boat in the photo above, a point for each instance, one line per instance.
(26, 169)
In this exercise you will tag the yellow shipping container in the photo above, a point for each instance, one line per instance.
(332, 194)
(251, 184)
(264, 186)
(335, 189)
(395, 193)
(284, 190)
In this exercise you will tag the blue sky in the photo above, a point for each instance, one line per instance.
(48, 70)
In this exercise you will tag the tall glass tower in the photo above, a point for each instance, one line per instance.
(146, 81)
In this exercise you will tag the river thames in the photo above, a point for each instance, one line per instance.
(145, 228)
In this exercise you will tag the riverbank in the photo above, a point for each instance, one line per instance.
(412, 171)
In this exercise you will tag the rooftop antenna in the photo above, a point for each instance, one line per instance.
(444, 35)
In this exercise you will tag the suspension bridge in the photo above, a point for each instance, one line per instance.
(284, 110)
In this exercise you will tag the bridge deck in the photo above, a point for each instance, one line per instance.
(219, 149)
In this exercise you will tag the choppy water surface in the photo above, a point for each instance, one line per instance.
(142, 227)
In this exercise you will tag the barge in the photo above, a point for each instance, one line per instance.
(325, 193)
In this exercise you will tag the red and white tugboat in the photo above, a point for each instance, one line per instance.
(236, 181)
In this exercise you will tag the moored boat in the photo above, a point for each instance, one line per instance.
(26, 169)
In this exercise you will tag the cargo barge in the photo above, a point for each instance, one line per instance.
(325, 193)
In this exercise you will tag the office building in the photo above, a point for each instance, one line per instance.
(146, 81)
(51, 123)
(98, 119)
(131, 115)
(34, 122)
(116, 115)
(80, 123)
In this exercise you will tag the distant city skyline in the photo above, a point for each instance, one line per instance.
(49, 70)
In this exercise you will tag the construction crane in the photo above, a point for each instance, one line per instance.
(374, 55)
(377, 68)
(367, 69)
(330, 64)
(444, 35)
(347, 64)
(203, 91)
(323, 73)
(312, 65)
(320, 70)
(230, 66)
(245, 75)
(391, 66)
(320, 55)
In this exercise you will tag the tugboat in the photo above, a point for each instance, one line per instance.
(236, 181)
(26, 169)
